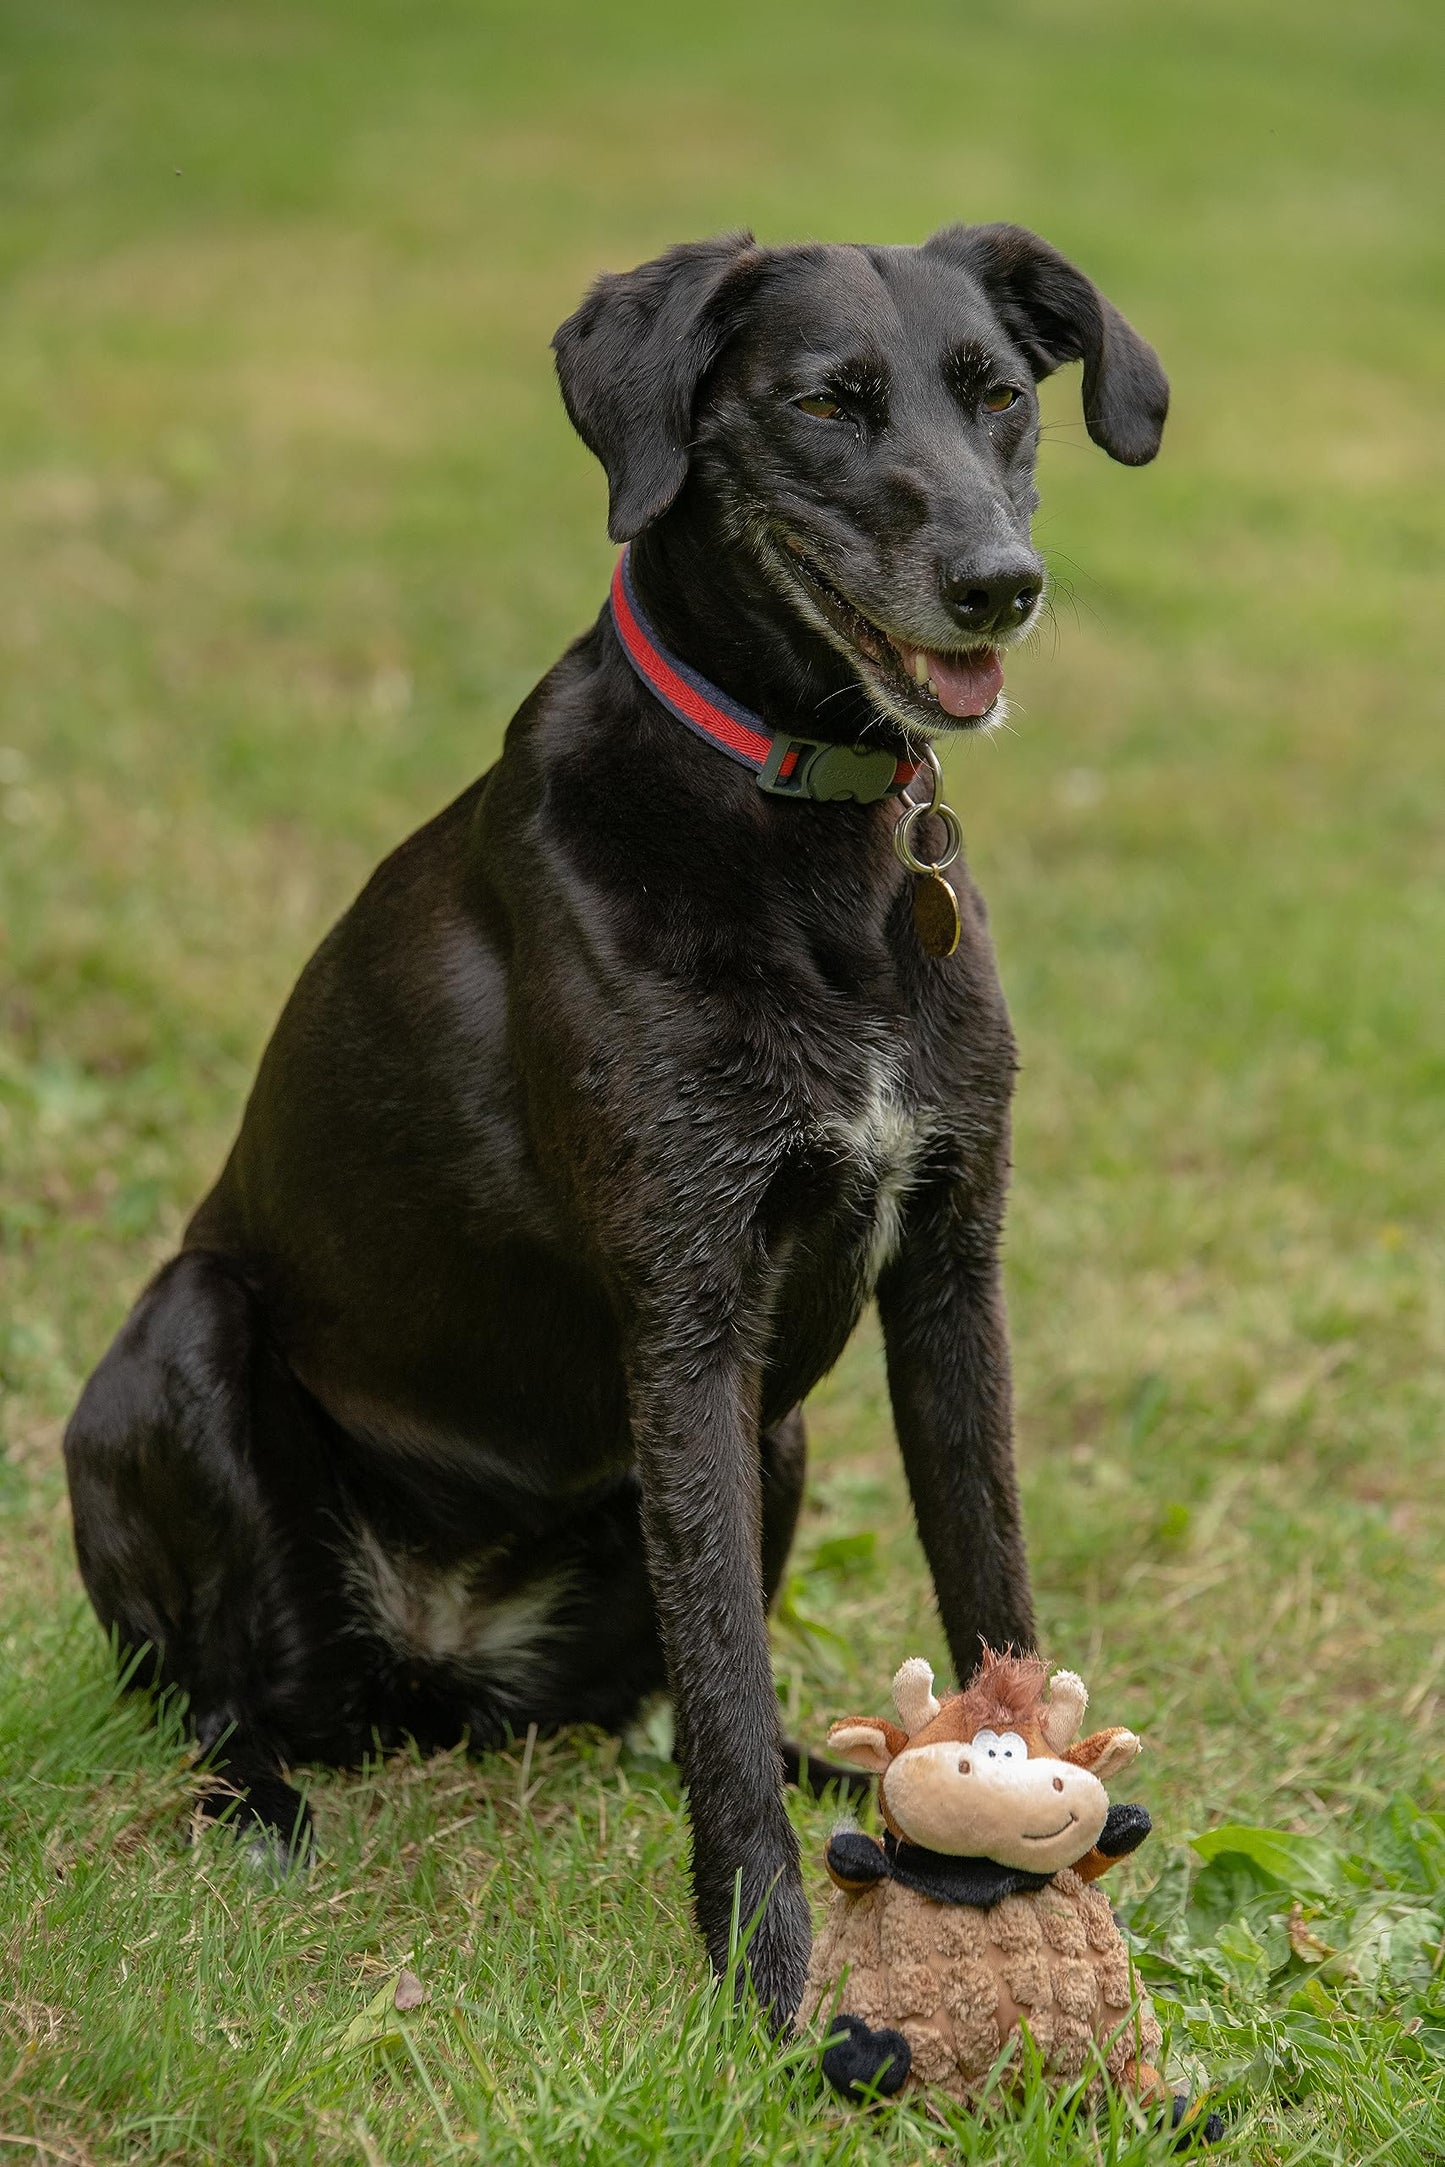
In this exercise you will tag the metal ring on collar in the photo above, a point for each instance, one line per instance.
(952, 828)
(904, 829)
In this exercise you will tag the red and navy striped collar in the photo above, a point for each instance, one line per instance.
(785, 765)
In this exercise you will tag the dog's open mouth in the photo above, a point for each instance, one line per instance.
(964, 683)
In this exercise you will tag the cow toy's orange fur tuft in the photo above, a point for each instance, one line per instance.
(1005, 1693)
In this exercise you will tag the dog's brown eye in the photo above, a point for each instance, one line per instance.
(821, 409)
(999, 398)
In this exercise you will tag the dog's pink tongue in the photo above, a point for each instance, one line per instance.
(967, 684)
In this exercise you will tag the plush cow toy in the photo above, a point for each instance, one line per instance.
(977, 1913)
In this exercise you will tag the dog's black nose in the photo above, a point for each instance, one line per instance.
(996, 598)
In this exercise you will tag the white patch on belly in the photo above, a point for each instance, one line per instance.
(440, 1614)
(885, 1138)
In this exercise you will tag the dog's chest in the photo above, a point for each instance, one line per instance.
(874, 1144)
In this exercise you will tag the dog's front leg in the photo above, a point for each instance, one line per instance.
(694, 1411)
(946, 1335)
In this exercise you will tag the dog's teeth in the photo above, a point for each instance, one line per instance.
(932, 689)
(920, 668)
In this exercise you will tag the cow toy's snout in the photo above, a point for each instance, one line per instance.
(976, 1801)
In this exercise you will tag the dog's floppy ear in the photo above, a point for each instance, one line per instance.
(1055, 315)
(630, 361)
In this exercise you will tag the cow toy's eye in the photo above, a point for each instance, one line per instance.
(1000, 397)
(820, 408)
(996, 1746)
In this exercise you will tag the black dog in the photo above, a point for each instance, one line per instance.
(472, 1398)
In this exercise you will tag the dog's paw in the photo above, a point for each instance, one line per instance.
(777, 1937)
(858, 2061)
(270, 1820)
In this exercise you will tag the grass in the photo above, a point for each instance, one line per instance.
(290, 520)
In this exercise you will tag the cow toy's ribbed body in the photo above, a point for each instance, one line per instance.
(958, 1981)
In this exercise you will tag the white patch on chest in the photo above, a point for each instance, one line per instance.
(884, 1137)
(442, 1614)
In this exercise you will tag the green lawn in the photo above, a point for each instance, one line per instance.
(290, 519)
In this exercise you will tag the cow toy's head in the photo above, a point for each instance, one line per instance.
(997, 1771)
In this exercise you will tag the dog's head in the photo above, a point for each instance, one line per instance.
(996, 1771)
(864, 420)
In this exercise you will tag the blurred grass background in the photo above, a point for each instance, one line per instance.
(291, 518)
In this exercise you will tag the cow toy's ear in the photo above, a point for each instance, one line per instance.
(867, 1741)
(1104, 1753)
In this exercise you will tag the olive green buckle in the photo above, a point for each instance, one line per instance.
(827, 772)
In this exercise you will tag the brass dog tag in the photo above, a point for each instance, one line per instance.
(935, 915)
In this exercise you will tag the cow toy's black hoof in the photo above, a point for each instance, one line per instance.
(1209, 2130)
(858, 2060)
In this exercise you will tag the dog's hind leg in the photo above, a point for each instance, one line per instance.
(204, 1524)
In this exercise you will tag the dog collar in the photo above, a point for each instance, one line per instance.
(786, 766)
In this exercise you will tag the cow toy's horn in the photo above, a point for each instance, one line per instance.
(913, 1694)
(1063, 1717)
